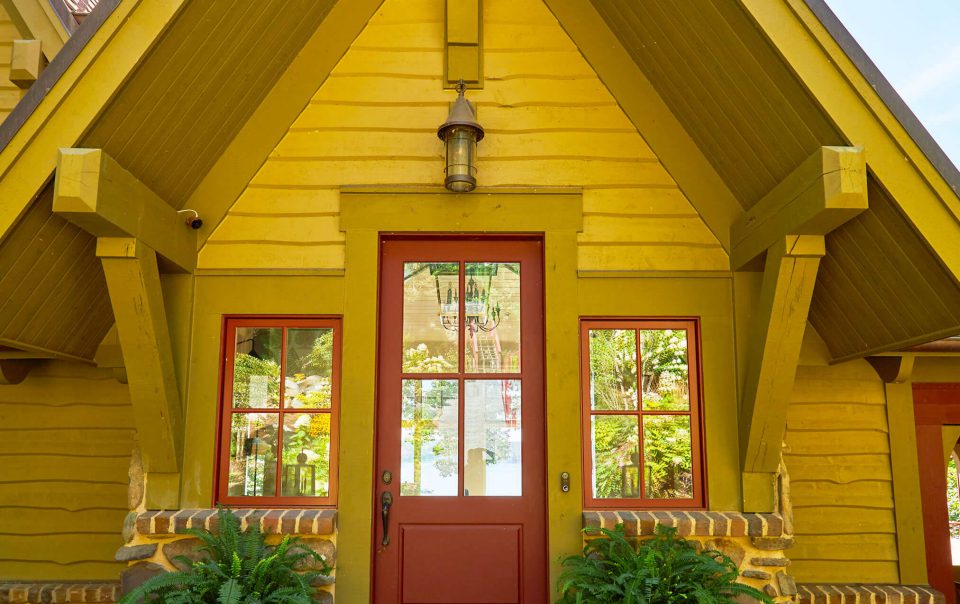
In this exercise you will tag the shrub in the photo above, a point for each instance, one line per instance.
(240, 568)
(614, 569)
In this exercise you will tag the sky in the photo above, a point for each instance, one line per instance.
(916, 45)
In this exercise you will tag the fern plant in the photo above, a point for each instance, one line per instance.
(239, 568)
(614, 569)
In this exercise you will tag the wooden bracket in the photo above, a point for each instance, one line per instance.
(826, 190)
(97, 194)
(26, 63)
(14, 371)
(786, 230)
(893, 369)
(133, 280)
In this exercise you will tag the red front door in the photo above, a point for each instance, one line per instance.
(459, 500)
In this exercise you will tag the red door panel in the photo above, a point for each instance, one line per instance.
(460, 423)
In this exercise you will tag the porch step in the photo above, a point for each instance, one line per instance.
(866, 593)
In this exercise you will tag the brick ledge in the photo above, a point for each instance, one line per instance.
(46, 592)
(270, 521)
(866, 593)
(689, 524)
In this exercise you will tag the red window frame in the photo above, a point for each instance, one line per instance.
(692, 326)
(226, 411)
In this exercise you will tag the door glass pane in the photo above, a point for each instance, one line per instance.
(492, 309)
(663, 355)
(616, 456)
(431, 302)
(667, 457)
(307, 381)
(613, 369)
(306, 455)
(256, 368)
(253, 454)
(429, 437)
(491, 438)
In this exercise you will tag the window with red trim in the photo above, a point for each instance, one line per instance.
(279, 411)
(640, 392)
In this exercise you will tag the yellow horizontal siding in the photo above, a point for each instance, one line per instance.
(838, 458)
(66, 434)
(549, 120)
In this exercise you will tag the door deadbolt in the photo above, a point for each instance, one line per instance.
(386, 477)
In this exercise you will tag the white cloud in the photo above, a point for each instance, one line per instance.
(946, 71)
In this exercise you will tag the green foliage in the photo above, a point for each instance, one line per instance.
(953, 495)
(239, 568)
(245, 367)
(614, 569)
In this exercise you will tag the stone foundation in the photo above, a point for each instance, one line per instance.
(755, 542)
(154, 539)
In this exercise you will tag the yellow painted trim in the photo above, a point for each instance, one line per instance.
(26, 62)
(911, 551)
(224, 183)
(860, 114)
(694, 174)
(74, 102)
(36, 19)
(465, 212)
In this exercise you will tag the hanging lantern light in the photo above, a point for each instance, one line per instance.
(460, 134)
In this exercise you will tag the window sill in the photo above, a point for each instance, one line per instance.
(688, 524)
(269, 521)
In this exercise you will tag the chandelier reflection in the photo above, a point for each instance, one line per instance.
(480, 312)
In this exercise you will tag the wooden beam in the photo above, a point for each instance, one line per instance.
(773, 351)
(38, 20)
(133, 280)
(26, 62)
(826, 190)
(463, 47)
(97, 194)
(893, 369)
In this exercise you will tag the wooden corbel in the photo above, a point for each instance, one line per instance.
(785, 231)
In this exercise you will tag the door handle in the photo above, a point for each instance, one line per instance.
(386, 500)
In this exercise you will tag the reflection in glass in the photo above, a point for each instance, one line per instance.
(613, 369)
(492, 314)
(307, 374)
(663, 354)
(253, 454)
(306, 455)
(492, 438)
(616, 456)
(429, 437)
(667, 457)
(256, 368)
(431, 303)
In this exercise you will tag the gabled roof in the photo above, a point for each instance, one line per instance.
(191, 97)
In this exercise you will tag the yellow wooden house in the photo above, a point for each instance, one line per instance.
(436, 284)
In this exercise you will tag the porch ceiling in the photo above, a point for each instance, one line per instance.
(881, 286)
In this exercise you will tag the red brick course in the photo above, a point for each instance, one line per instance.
(689, 524)
(270, 522)
(57, 593)
(866, 593)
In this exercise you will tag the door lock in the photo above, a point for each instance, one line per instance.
(565, 482)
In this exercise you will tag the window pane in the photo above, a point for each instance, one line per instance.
(616, 456)
(613, 369)
(492, 308)
(307, 380)
(256, 368)
(429, 437)
(306, 455)
(431, 303)
(253, 454)
(666, 385)
(667, 457)
(491, 438)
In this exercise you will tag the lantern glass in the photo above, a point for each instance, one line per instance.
(461, 142)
